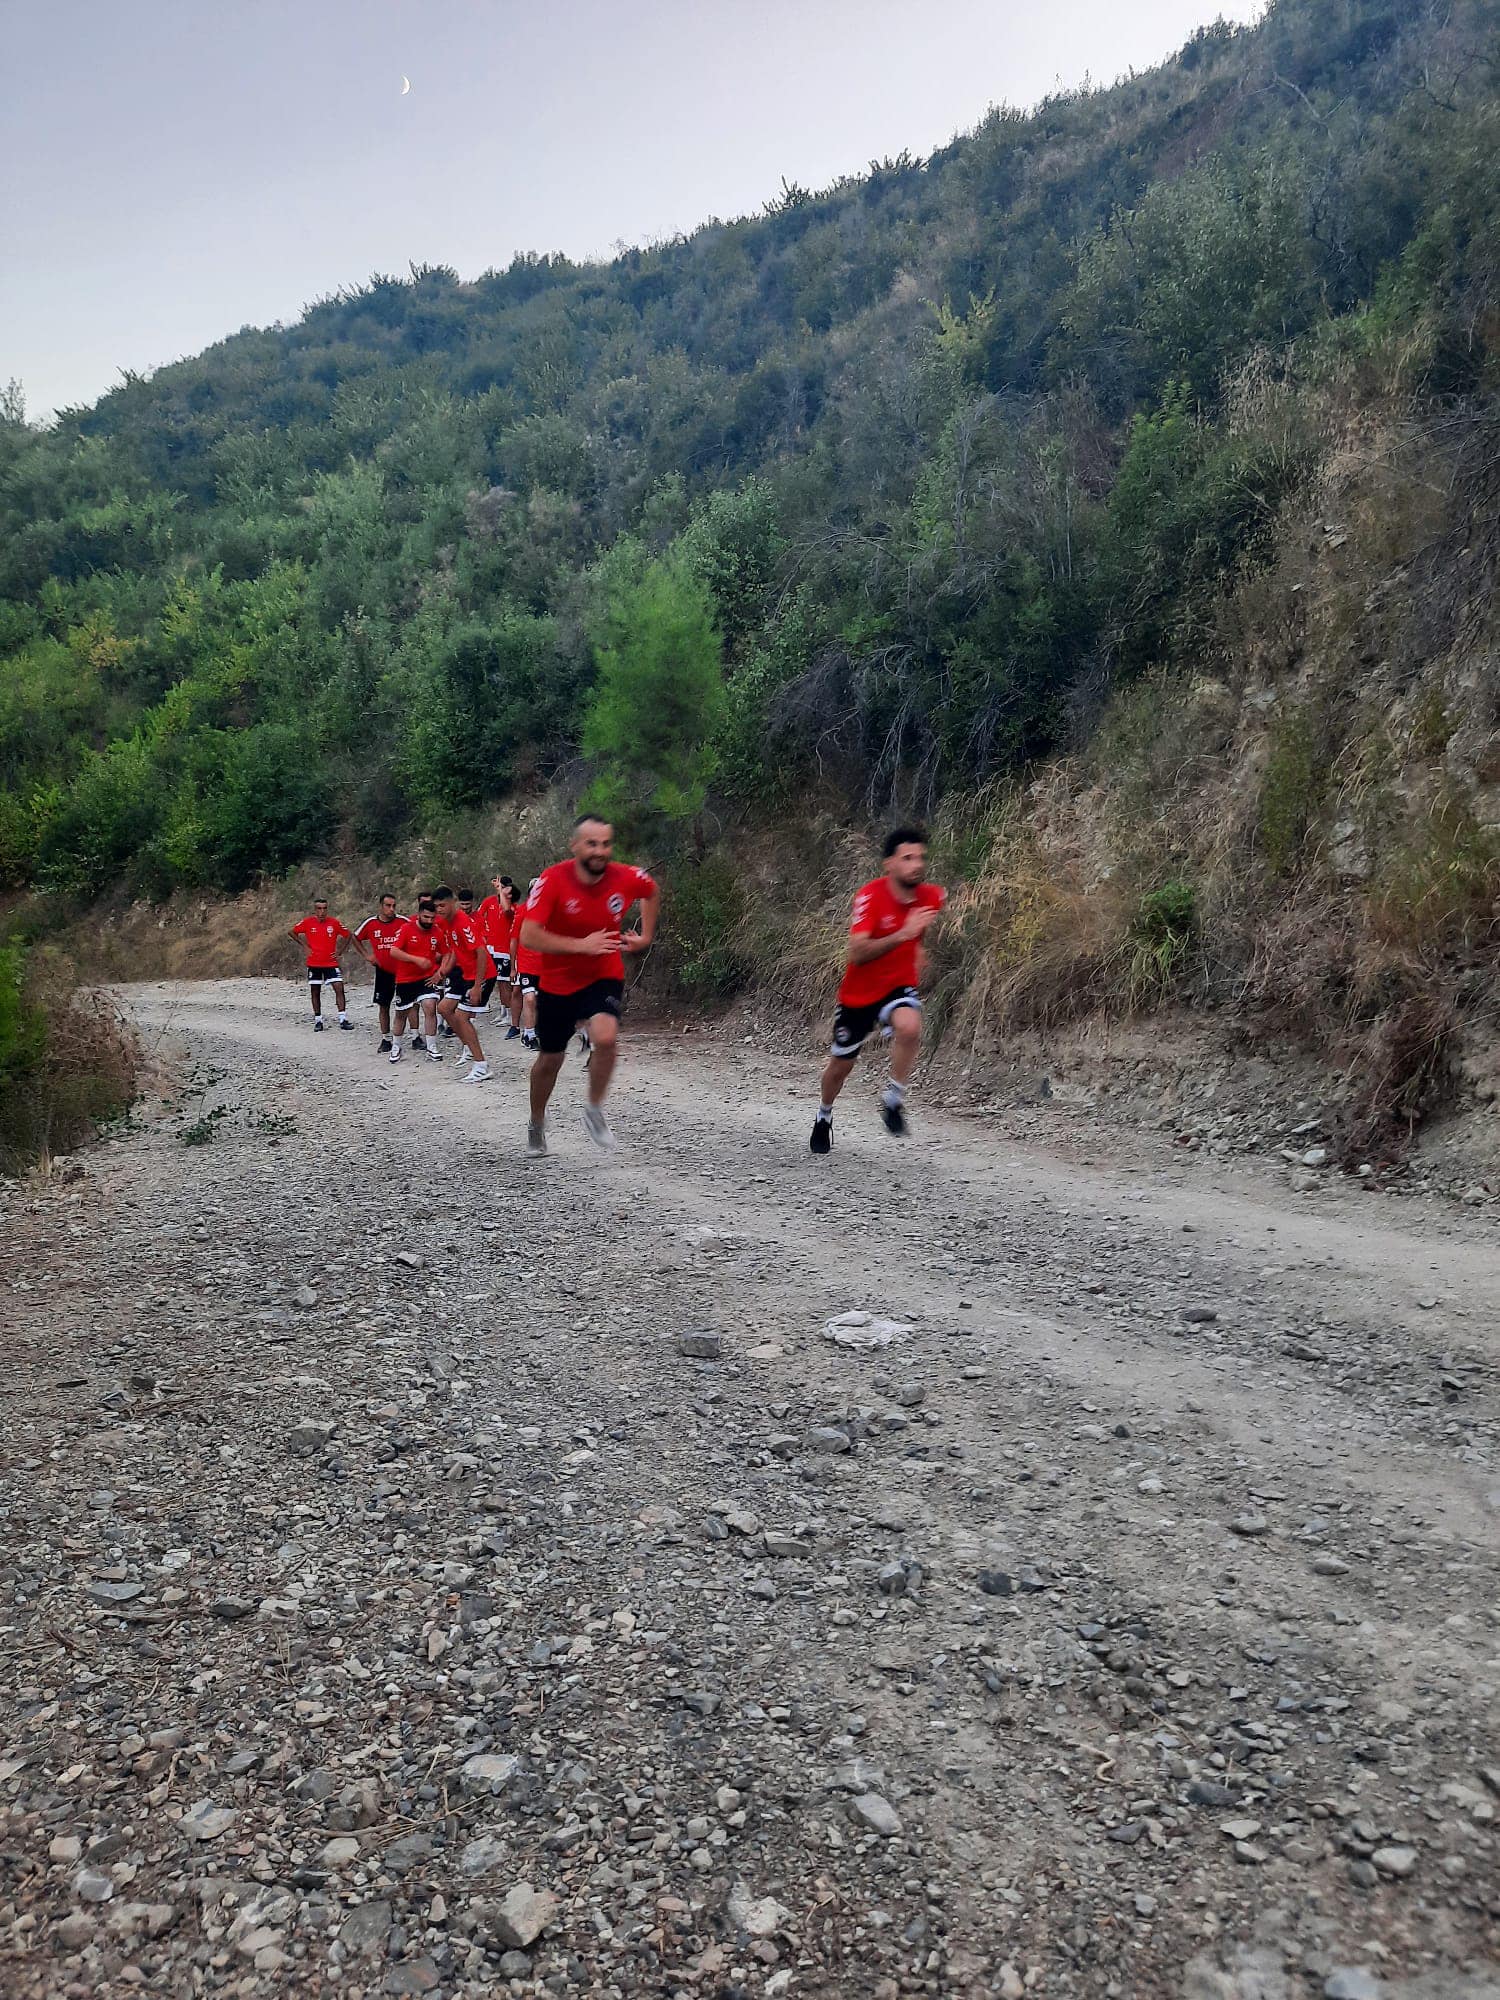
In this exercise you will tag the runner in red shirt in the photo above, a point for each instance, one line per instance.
(422, 956)
(466, 976)
(496, 916)
(371, 941)
(882, 981)
(321, 935)
(526, 976)
(573, 917)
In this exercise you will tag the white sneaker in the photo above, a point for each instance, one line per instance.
(462, 1057)
(480, 1073)
(536, 1140)
(395, 1052)
(434, 1055)
(597, 1126)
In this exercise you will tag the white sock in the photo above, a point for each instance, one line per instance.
(825, 1113)
(895, 1093)
(343, 1017)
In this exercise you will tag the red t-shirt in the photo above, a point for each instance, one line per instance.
(322, 937)
(523, 957)
(379, 933)
(465, 937)
(495, 924)
(561, 903)
(878, 911)
(429, 945)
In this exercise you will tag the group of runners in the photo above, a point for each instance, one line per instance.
(554, 957)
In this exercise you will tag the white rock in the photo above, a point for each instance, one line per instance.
(522, 1914)
(206, 1821)
(863, 1332)
(877, 1813)
(759, 1917)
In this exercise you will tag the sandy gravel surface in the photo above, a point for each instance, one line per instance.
(424, 1570)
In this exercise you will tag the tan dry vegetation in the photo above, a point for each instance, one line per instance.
(1323, 786)
(86, 1069)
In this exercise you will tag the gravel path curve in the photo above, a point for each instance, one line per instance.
(426, 1571)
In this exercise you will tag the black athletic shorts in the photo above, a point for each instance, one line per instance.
(324, 975)
(456, 987)
(853, 1026)
(410, 991)
(385, 986)
(499, 977)
(558, 1014)
(527, 982)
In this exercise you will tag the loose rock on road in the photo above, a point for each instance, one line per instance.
(429, 1571)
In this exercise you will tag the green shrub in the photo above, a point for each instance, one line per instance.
(1291, 791)
(1162, 935)
(704, 907)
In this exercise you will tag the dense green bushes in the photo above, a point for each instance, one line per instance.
(939, 453)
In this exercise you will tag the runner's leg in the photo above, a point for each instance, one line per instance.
(836, 1073)
(462, 1025)
(544, 1074)
(604, 1041)
(315, 994)
(906, 1040)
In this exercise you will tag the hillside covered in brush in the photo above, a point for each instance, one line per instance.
(1063, 443)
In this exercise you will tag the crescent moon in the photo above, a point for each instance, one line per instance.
(405, 85)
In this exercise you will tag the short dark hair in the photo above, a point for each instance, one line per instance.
(903, 836)
(584, 818)
(466, 895)
(441, 893)
(386, 896)
(506, 883)
(427, 900)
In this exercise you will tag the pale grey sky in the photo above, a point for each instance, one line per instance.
(176, 169)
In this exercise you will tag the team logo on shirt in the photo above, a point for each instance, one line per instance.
(616, 906)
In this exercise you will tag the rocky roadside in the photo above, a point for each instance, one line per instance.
(965, 1572)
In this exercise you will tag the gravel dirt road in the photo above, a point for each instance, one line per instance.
(427, 1571)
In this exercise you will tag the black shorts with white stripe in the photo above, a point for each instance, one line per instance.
(458, 987)
(853, 1026)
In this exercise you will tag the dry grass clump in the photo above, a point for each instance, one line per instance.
(1400, 1069)
(1028, 948)
(68, 1061)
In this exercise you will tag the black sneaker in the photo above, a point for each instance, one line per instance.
(318, 1024)
(822, 1136)
(385, 1046)
(895, 1119)
(419, 1041)
(347, 1026)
